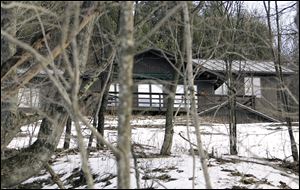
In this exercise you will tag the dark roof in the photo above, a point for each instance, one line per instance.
(219, 66)
(156, 51)
(254, 67)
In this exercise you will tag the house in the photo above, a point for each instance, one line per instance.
(255, 83)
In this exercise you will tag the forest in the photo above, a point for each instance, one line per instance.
(149, 94)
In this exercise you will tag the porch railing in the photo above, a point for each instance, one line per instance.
(158, 101)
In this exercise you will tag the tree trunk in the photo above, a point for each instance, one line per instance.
(106, 79)
(101, 115)
(125, 81)
(106, 82)
(169, 131)
(30, 161)
(169, 126)
(68, 133)
(191, 92)
(91, 136)
(232, 110)
(80, 51)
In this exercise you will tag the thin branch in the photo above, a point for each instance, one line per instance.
(34, 70)
(10, 65)
(54, 176)
(158, 25)
(12, 5)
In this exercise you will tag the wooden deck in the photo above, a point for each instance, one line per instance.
(156, 102)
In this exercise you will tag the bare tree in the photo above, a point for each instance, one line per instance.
(171, 89)
(29, 161)
(282, 94)
(190, 76)
(125, 80)
(75, 44)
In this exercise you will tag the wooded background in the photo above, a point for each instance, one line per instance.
(67, 40)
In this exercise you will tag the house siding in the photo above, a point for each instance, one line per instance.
(268, 103)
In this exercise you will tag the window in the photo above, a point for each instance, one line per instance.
(252, 86)
(150, 95)
(29, 97)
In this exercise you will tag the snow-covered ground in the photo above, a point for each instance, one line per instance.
(260, 145)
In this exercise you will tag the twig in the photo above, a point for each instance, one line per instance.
(54, 176)
(34, 70)
(187, 140)
(137, 174)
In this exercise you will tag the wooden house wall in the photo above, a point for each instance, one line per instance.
(205, 88)
(292, 83)
(239, 85)
(268, 103)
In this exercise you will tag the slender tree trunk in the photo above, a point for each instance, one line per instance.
(169, 131)
(191, 91)
(68, 133)
(106, 82)
(169, 126)
(231, 34)
(101, 104)
(125, 81)
(232, 110)
(92, 135)
(80, 50)
(101, 115)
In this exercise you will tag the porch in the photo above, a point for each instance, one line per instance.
(157, 102)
